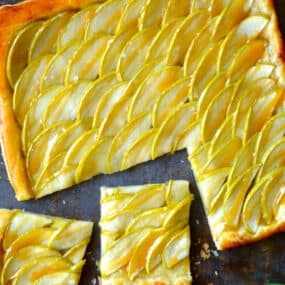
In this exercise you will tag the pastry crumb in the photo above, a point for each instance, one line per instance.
(197, 222)
(63, 202)
(205, 251)
(216, 272)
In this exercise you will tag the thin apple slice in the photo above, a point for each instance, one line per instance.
(216, 112)
(111, 55)
(235, 196)
(76, 27)
(125, 138)
(199, 158)
(140, 150)
(39, 149)
(155, 84)
(107, 102)
(28, 86)
(106, 18)
(60, 180)
(21, 223)
(224, 157)
(160, 43)
(64, 106)
(152, 218)
(262, 110)
(172, 128)
(139, 256)
(177, 248)
(56, 70)
(23, 256)
(246, 57)
(131, 61)
(18, 53)
(77, 252)
(184, 36)
(59, 278)
(130, 15)
(91, 163)
(271, 194)
(44, 41)
(89, 102)
(199, 43)
(120, 253)
(176, 191)
(176, 9)
(152, 13)
(205, 71)
(210, 184)
(80, 146)
(174, 96)
(232, 15)
(39, 267)
(33, 119)
(258, 71)
(198, 5)
(248, 30)
(190, 138)
(85, 63)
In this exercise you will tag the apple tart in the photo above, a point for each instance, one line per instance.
(90, 87)
(145, 234)
(42, 250)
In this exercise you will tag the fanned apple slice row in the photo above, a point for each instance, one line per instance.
(86, 61)
(88, 104)
(28, 86)
(76, 253)
(15, 227)
(111, 55)
(18, 53)
(172, 196)
(177, 248)
(199, 158)
(246, 57)
(271, 194)
(33, 120)
(76, 27)
(37, 268)
(107, 102)
(93, 161)
(216, 112)
(125, 138)
(184, 36)
(151, 88)
(55, 72)
(106, 18)
(210, 184)
(23, 256)
(133, 55)
(64, 106)
(176, 9)
(235, 196)
(152, 13)
(172, 128)
(80, 147)
(44, 41)
(130, 15)
(248, 30)
(139, 256)
(39, 149)
(59, 278)
(140, 151)
(233, 14)
(160, 45)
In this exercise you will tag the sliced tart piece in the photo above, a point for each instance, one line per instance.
(147, 239)
(40, 249)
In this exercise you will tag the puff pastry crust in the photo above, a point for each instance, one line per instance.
(145, 235)
(41, 249)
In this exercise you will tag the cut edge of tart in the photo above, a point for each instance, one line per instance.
(41, 249)
(145, 234)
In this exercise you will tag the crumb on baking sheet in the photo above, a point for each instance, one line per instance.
(205, 252)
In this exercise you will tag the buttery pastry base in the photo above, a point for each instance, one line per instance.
(38, 249)
(148, 214)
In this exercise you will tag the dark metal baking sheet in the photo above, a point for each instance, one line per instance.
(258, 263)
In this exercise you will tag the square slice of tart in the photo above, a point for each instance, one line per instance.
(42, 250)
(145, 234)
